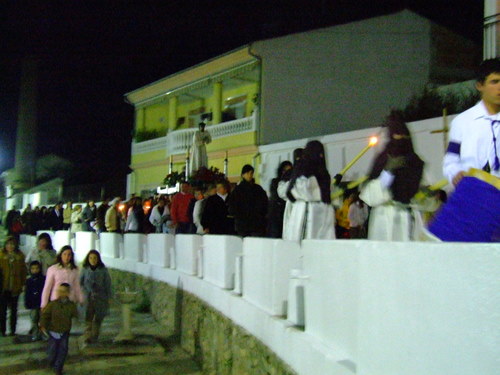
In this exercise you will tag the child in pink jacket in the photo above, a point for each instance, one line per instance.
(64, 271)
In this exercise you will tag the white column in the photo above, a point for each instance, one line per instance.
(491, 29)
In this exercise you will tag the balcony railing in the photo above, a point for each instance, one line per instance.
(149, 146)
(179, 141)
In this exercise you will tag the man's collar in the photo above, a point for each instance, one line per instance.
(480, 111)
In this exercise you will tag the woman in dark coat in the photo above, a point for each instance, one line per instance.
(276, 204)
(13, 277)
(96, 285)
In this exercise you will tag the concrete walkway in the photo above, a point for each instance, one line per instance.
(150, 353)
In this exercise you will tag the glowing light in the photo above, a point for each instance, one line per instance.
(373, 141)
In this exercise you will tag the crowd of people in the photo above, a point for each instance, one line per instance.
(299, 205)
(53, 284)
(58, 217)
(218, 208)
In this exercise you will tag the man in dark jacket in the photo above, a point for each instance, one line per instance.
(56, 217)
(89, 215)
(215, 219)
(101, 215)
(248, 205)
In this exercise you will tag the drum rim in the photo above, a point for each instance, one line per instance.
(484, 176)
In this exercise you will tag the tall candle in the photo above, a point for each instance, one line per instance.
(373, 142)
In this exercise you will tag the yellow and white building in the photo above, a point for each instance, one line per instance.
(225, 89)
(296, 87)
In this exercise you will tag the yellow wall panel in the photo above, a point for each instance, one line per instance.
(233, 141)
(149, 157)
(234, 166)
(152, 176)
(139, 119)
(156, 117)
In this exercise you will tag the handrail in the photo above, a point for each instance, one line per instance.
(179, 141)
(149, 145)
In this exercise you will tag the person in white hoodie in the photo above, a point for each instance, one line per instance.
(200, 205)
(160, 214)
(76, 219)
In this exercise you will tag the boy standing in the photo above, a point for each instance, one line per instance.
(56, 323)
(33, 297)
(474, 140)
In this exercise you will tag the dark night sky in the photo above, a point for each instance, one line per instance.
(92, 52)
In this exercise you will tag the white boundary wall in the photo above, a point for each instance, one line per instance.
(370, 307)
(341, 148)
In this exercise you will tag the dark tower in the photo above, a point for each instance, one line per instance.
(26, 127)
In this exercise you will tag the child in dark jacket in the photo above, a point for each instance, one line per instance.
(56, 323)
(33, 297)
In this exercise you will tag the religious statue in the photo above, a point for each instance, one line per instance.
(198, 157)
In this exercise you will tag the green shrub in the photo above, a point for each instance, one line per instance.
(430, 103)
(146, 135)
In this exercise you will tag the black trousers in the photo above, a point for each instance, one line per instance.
(8, 301)
(183, 228)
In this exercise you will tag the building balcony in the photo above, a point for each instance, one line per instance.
(179, 141)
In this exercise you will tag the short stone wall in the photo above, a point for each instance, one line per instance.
(366, 307)
(215, 342)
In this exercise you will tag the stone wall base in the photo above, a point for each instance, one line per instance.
(215, 342)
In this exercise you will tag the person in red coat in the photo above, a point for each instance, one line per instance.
(179, 209)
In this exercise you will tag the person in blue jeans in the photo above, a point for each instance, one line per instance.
(56, 324)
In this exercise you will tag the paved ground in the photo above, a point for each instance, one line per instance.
(151, 352)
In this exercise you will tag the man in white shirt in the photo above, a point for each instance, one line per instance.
(474, 140)
(199, 206)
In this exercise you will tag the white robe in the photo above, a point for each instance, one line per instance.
(198, 157)
(282, 189)
(389, 220)
(307, 217)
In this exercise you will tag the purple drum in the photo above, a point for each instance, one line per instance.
(472, 213)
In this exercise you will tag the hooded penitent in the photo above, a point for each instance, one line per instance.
(312, 164)
(408, 172)
(297, 155)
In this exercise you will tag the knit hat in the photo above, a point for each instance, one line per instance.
(246, 168)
